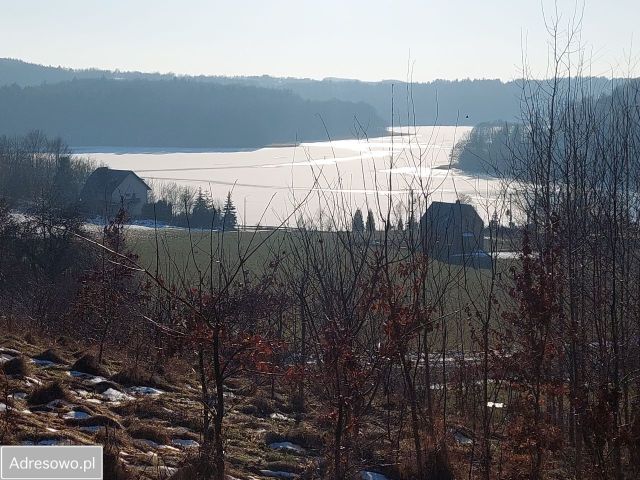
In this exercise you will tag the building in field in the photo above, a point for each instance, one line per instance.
(453, 232)
(106, 190)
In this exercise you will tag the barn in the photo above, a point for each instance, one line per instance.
(106, 190)
(452, 231)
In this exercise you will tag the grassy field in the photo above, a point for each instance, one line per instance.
(178, 252)
(181, 257)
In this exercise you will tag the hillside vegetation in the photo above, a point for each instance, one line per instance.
(178, 113)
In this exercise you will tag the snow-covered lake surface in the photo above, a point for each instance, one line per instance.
(268, 182)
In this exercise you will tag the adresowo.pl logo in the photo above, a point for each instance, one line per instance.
(51, 463)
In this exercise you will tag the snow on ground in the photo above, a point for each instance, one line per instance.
(76, 415)
(280, 416)
(5, 357)
(462, 439)
(43, 363)
(86, 376)
(91, 428)
(287, 447)
(366, 475)
(145, 391)
(185, 442)
(112, 395)
(277, 474)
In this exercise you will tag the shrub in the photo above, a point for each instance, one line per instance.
(47, 393)
(149, 432)
(88, 363)
(18, 366)
(51, 355)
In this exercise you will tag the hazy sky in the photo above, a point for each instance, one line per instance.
(369, 40)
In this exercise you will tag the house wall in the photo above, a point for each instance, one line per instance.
(132, 192)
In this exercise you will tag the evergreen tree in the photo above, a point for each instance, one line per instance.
(371, 222)
(65, 187)
(357, 224)
(201, 215)
(411, 223)
(230, 217)
(400, 224)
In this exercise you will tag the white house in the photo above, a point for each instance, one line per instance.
(106, 190)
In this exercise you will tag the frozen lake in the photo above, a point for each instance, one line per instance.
(318, 180)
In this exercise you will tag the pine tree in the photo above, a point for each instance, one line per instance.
(371, 222)
(357, 224)
(400, 224)
(230, 217)
(65, 187)
(201, 214)
(411, 223)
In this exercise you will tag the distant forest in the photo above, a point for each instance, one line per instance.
(495, 148)
(177, 113)
(441, 102)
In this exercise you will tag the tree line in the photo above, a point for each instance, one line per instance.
(178, 113)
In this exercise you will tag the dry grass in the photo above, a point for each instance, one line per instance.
(88, 363)
(149, 431)
(301, 435)
(136, 375)
(18, 366)
(47, 393)
(51, 355)
(96, 420)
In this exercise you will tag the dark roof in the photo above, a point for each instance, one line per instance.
(104, 180)
(452, 212)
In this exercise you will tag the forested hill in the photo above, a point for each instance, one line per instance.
(441, 102)
(177, 113)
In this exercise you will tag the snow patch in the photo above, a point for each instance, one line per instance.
(145, 391)
(46, 442)
(30, 381)
(4, 358)
(461, 438)
(366, 475)
(112, 395)
(43, 363)
(185, 442)
(277, 474)
(86, 376)
(279, 416)
(10, 351)
(287, 447)
(495, 404)
(91, 428)
(76, 415)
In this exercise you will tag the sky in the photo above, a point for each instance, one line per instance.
(421, 40)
